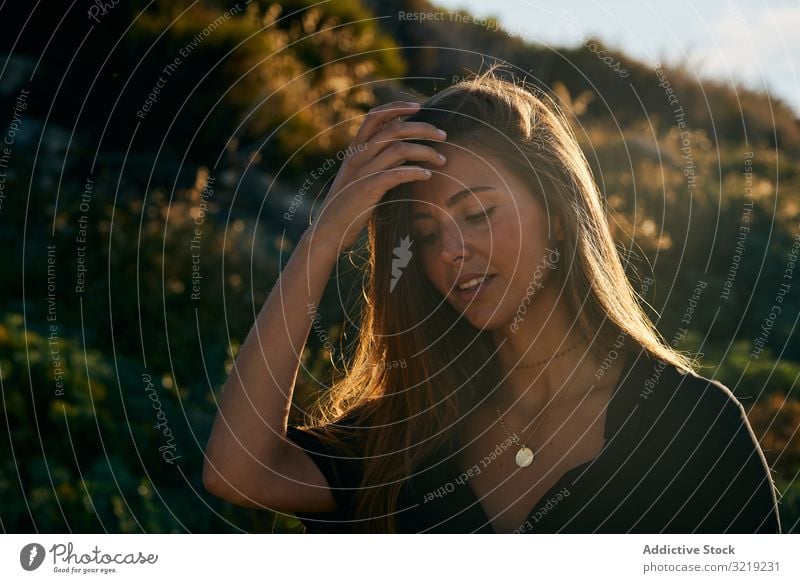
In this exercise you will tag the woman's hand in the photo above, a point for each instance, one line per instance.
(374, 166)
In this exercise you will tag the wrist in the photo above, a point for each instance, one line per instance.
(317, 237)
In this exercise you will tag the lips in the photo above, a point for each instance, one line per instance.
(466, 283)
(475, 284)
(466, 277)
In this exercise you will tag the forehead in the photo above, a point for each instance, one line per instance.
(465, 168)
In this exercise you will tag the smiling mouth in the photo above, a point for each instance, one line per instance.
(470, 290)
(473, 283)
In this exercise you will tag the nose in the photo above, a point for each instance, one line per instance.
(453, 246)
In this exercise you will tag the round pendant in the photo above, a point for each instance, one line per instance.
(524, 457)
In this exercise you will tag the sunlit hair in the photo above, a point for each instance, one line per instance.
(411, 414)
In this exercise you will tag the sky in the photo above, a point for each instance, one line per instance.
(755, 43)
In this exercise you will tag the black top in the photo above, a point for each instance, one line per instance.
(680, 457)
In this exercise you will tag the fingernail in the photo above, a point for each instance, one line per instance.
(442, 133)
(412, 103)
(442, 158)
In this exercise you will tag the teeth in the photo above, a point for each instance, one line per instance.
(472, 283)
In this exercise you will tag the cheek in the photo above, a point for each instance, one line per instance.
(539, 271)
(523, 262)
(512, 247)
(434, 271)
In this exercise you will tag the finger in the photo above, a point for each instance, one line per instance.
(411, 129)
(415, 130)
(378, 116)
(407, 130)
(385, 180)
(400, 152)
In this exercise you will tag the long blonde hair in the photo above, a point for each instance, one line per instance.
(418, 366)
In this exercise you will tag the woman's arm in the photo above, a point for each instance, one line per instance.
(247, 451)
(248, 459)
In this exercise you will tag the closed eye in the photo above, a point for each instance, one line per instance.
(480, 216)
(427, 239)
(476, 218)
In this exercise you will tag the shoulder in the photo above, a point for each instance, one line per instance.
(700, 415)
(670, 396)
(337, 449)
(706, 447)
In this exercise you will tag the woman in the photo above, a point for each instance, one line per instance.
(505, 377)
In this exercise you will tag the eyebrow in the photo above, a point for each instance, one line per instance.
(454, 199)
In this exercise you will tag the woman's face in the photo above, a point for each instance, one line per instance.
(473, 216)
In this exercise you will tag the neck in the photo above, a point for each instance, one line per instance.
(546, 329)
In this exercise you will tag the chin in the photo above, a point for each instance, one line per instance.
(483, 317)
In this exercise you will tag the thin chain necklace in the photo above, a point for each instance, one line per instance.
(526, 455)
(549, 358)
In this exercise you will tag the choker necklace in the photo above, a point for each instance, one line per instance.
(549, 358)
(526, 455)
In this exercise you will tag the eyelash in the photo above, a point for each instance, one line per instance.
(471, 218)
(482, 215)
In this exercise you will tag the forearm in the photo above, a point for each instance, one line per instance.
(251, 424)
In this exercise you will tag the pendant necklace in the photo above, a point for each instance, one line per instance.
(526, 455)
